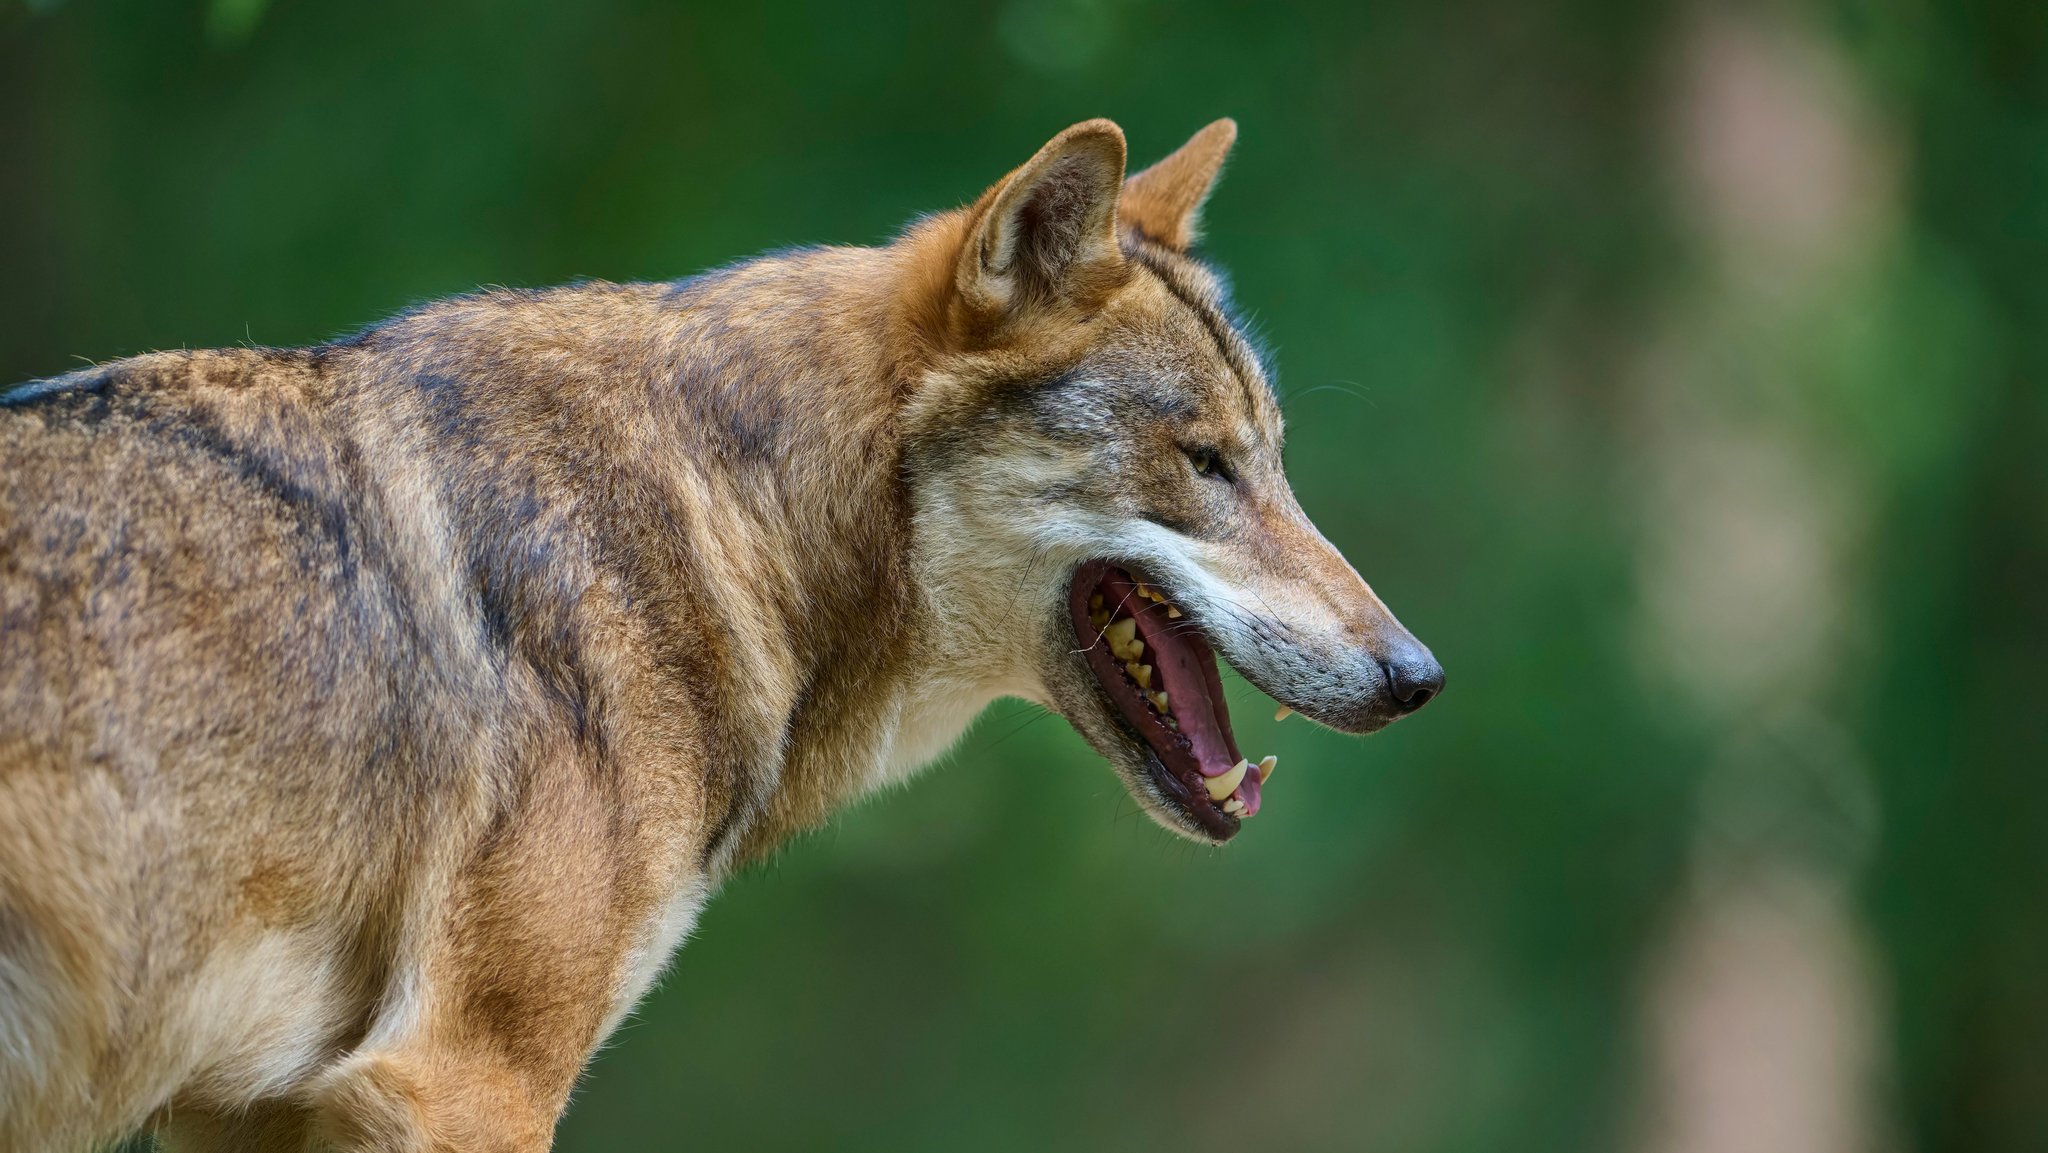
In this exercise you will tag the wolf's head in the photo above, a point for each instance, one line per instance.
(1094, 460)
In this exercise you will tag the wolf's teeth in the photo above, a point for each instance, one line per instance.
(1119, 634)
(1158, 699)
(1172, 613)
(1233, 806)
(1139, 673)
(1283, 713)
(1099, 620)
(1266, 767)
(1095, 603)
(1223, 786)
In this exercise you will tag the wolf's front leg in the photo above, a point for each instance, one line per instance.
(492, 1050)
(434, 1103)
(525, 951)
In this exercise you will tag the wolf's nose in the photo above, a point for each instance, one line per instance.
(1413, 677)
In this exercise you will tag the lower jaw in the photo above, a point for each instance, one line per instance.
(1186, 799)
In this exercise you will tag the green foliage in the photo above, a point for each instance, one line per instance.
(1453, 225)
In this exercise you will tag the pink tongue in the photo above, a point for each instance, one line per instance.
(1249, 790)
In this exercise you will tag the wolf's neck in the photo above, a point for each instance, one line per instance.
(792, 373)
(786, 392)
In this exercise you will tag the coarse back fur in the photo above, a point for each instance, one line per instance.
(375, 717)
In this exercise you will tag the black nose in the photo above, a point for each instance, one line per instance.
(1413, 677)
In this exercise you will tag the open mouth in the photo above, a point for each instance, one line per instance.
(1156, 667)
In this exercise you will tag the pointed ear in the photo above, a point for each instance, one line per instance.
(1048, 231)
(1165, 201)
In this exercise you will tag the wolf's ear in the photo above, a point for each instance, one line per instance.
(1048, 231)
(1165, 201)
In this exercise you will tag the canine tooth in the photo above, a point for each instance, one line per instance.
(1172, 613)
(1266, 767)
(1283, 713)
(1099, 620)
(1095, 602)
(1223, 786)
(1139, 673)
(1233, 806)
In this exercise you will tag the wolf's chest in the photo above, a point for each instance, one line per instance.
(659, 942)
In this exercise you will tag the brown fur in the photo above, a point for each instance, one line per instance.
(374, 717)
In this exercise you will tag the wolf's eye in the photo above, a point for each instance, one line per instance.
(1206, 463)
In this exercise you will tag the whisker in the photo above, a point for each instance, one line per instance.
(1037, 715)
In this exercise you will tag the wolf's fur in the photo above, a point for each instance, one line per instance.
(375, 717)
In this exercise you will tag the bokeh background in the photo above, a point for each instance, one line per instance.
(1674, 369)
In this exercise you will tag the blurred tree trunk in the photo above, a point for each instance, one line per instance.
(1958, 720)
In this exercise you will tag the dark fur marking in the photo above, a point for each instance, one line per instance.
(1061, 492)
(1219, 326)
(1166, 404)
(1051, 404)
(1184, 528)
(54, 388)
(454, 419)
(291, 483)
(79, 400)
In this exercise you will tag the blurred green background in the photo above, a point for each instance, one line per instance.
(1675, 370)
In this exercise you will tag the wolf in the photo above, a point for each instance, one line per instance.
(375, 717)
